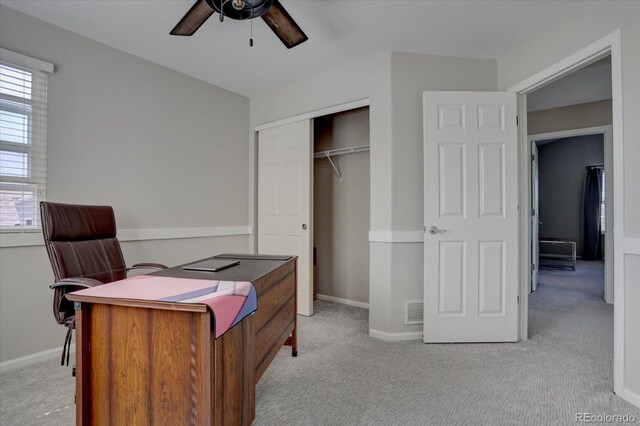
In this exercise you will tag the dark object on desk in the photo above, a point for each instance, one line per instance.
(210, 265)
(84, 252)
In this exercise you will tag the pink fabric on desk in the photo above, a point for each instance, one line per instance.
(146, 287)
(228, 301)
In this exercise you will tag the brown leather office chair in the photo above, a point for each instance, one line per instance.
(84, 252)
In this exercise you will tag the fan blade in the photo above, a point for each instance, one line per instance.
(195, 17)
(281, 23)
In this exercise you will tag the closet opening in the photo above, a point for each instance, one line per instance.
(341, 212)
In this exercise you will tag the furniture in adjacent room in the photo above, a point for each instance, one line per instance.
(84, 252)
(141, 359)
(563, 255)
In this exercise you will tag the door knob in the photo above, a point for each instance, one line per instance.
(304, 226)
(434, 230)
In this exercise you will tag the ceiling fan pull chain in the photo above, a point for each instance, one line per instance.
(251, 33)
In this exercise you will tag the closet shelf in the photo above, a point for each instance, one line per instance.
(340, 151)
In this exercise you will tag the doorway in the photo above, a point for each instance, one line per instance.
(560, 164)
(285, 157)
(609, 45)
(341, 207)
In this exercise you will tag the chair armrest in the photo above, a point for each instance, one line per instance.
(76, 282)
(63, 309)
(156, 266)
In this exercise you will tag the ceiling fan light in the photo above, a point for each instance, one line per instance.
(237, 4)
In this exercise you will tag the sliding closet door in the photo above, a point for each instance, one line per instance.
(284, 199)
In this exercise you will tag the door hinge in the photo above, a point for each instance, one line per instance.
(533, 267)
(533, 212)
(533, 158)
(517, 121)
(518, 299)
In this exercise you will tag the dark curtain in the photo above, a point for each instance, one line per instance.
(591, 246)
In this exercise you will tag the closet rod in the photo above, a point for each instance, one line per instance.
(340, 151)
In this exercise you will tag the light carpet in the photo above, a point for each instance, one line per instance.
(344, 377)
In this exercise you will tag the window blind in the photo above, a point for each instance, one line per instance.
(23, 144)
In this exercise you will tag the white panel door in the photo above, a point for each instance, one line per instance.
(471, 217)
(284, 200)
(535, 217)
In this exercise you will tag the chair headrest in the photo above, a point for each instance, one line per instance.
(72, 222)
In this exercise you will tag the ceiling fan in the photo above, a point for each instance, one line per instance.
(271, 11)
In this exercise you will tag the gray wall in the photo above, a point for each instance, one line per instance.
(579, 116)
(588, 24)
(562, 171)
(394, 84)
(341, 208)
(165, 150)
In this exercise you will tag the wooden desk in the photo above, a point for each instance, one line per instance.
(143, 362)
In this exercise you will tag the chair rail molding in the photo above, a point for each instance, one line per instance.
(34, 238)
(396, 236)
(632, 245)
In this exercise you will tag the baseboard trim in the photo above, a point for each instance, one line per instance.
(631, 397)
(24, 361)
(395, 337)
(343, 301)
(27, 239)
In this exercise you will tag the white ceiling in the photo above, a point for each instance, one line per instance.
(340, 32)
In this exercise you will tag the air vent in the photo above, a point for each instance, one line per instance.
(413, 312)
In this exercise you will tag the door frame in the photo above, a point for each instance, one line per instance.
(607, 135)
(535, 218)
(610, 45)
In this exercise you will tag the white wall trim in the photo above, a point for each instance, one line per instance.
(26, 239)
(24, 361)
(630, 396)
(396, 236)
(610, 44)
(177, 233)
(24, 60)
(584, 131)
(343, 301)
(632, 245)
(313, 114)
(21, 239)
(395, 337)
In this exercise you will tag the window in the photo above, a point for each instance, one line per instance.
(23, 140)
(602, 206)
